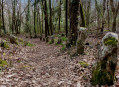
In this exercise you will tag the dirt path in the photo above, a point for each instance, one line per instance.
(45, 65)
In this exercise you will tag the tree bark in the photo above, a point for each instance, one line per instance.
(3, 22)
(74, 20)
(35, 19)
(46, 19)
(103, 22)
(0, 18)
(115, 12)
(50, 17)
(66, 16)
(59, 14)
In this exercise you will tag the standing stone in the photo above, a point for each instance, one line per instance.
(13, 39)
(47, 39)
(82, 34)
(52, 39)
(59, 40)
(103, 72)
(40, 38)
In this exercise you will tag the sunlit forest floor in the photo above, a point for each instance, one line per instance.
(46, 65)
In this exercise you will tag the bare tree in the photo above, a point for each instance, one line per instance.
(115, 12)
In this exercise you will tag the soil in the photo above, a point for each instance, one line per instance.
(46, 65)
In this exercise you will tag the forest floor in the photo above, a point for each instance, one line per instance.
(46, 65)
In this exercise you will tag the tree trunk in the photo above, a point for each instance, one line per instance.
(115, 12)
(50, 17)
(108, 14)
(59, 14)
(74, 20)
(0, 19)
(13, 16)
(3, 17)
(82, 15)
(103, 22)
(66, 16)
(46, 19)
(35, 20)
(88, 14)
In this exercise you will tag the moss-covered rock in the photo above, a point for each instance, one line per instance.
(13, 39)
(52, 39)
(82, 34)
(59, 40)
(110, 41)
(83, 64)
(4, 44)
(101, 76)
(80, 47)
(103, 72)
(47, 39)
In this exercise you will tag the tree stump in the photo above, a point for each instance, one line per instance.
(82, 34)
(103, 72)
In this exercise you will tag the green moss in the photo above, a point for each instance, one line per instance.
(101, 76)
(3, 63)
(50, 42)
(30, 45)
(4, 44)
(110, 41)
(63, 47)
(83, 64)
(55, 40)
(20, 40)
(64, 38)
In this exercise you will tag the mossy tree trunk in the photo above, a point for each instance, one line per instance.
(83, 24)
(103, 72)
(74, 20)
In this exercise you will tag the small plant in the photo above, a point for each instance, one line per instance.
(29, 44)
(50, 42)
(63, 47)
(64, 38)
(3, 63)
